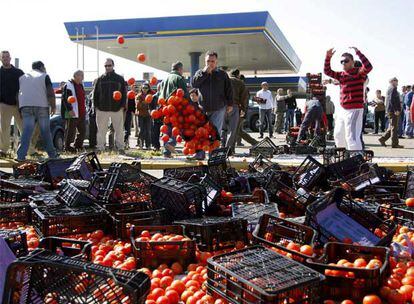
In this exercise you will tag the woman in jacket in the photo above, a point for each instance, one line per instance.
(144, 118)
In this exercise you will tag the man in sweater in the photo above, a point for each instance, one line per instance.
(106, 108)
(266, 106)
(36, 96)
(290, 110)
(393, 110)
(409, 124)
(330, 111)
(74, 112)
(9, 89)
(174, 81)
(348, 126)
(215, 87)
(313, 116)
(239, 108)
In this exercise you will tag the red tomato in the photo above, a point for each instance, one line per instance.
(141, 57)
(148, 98)
(162, 300)
(117, 96)
(165, 138)
(371, 299)
(153, 81)
(173, 296)
(131, 95)
(410, 202)
(71, 99)
(131, 81)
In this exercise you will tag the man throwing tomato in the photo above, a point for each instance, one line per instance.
(348, 125)
(108, 105)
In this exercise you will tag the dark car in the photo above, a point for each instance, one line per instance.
(252, 119)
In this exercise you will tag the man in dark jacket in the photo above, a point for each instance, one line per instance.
(393, 109)
(9, 89)
(106, 108)
(240, 96)
(216, 89)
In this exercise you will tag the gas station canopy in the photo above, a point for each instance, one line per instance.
(250, 41)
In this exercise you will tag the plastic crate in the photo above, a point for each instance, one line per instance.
(404, 215)
(219, 156)
(43, 199)
(368, 155)
(71, 196)
(219, 167)
(153, 253)
(287, 196)
(123, 221)
(263, 165)
(64, 220)
(185, 173)
(128, 207)
(213, 191)
(16, 240)
(363, 282)
(84, 166)
(309, 174)
(43, 277)
(25, 184)
(78, 183)
(126, 172)
(333, 155)
(254, 179)
(335, 218)
(252, 212)
(14, 195)
(385, 202)
(54, 170)
(15, 212)
(137, 189)
(266, 148)
(26, 169)
(259, 275)
(409, 183)
(216, 233)
(276, 233)
(67, 247)
(181, 200)
(369, 176)
(5, 175)
(304, 149)
(346, 168)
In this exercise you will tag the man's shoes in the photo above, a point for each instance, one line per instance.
(168, 156)
(382, 142)
(240, 145)
(19, 160)
(401, 137)
(397, 146)
(3, 154)
(271, 136)
(261, 136)
(121, 152)
(375, 133)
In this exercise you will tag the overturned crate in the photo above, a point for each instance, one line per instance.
(266, 148)
(84, 166)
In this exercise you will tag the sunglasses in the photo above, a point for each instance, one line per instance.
(344, 61)
(107, 65)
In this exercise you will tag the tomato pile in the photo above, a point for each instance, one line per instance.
(303, 249)
(188, 123)
(134, 192)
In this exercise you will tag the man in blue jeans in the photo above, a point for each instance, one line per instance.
(290, 111)
(36, 97)
(409, 124)
(216, 88)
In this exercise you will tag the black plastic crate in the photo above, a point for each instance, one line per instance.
(43, 199)
(345, 168)
(43, 277)
(219, 167)
(277, 233)
(15, 212)
(84, 166)
(185, 173)
(67, 247)
(54, 170)
(78, 183)
(310, 174)
(14, 195)
(263, 165)
(16, 240)
(219, 156)
(63, 220)
(213, 191)
(126, 172)
(404, 215)
(252, 212)
(216, 233)
(361, 282)
(369, 175)
(409, 183)
(266, 148)
(123, 221)
(259, 275)
(181, 200)
(333, 155)
(148, 253)
(128, 207)
(254, 179)
(5, 175)
(338, 219)
(113, 187)
(368, 155)
(71, 196)
(26, 169)
(25, 184)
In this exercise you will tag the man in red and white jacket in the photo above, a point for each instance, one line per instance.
(348, 125)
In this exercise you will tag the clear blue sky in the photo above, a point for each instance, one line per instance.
(382, 29)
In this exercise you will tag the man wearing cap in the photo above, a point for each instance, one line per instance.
(36, 97)
(393, 111)
(174, 81)
(348, 125)
(266, 106)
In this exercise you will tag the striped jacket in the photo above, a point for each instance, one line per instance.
(351, 82)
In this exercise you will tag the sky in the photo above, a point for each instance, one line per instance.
(381, 29)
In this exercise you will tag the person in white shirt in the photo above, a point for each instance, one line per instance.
(266, 106)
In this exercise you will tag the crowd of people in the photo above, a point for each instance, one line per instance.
(222, 96)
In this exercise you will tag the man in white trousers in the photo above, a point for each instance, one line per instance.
(348, 126)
